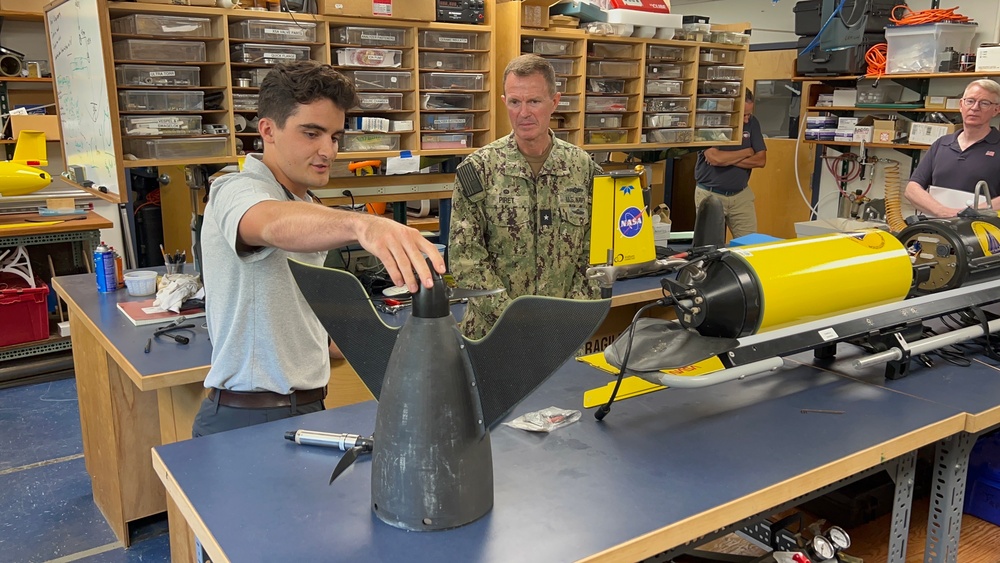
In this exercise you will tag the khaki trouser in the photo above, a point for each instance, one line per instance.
(741, 215)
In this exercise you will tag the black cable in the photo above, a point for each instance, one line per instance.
(165, 331)
(347, 262)
(603, 411)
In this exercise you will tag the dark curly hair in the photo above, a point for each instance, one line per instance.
(289, 85)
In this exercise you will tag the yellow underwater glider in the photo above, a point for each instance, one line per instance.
(19, 176)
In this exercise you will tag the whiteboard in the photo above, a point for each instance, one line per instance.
(80, 76)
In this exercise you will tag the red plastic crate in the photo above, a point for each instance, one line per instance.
(24, 315)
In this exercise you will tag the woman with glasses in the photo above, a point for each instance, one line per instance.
(960, 160)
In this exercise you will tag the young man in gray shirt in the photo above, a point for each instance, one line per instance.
(270, 355)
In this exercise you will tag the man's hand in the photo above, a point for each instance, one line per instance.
(401, 250)
(717, 157)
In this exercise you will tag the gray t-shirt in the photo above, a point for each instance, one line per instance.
(265, 337)
(730, 179)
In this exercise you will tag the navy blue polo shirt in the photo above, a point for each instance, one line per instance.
(730, 179)
(946, 165)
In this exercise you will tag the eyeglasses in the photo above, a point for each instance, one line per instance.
(971, 102)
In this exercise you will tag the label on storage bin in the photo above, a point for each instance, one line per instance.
(382, 8)
(288, 56)
(372, 35)
(284, 31)
(159, 73)
(456, 40)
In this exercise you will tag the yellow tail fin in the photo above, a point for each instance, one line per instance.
(30, 149)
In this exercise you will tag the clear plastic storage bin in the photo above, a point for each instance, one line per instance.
(158, 75)
(606, 85)
(719, 88)
(715, 119)
(722, 72)
(254, 75)
(432, 141)
(273, 30)
(607, 104)
(718, 56)
(257, 53)
(546, 46)
(667, 104)
(161, 100)
(612, 68)
(669, 135)
(568, 103)
(562, 66)
(718, 134)
(664, 71)
(156, 24)
(561, 135)
(716, 104)
(610, 50)
(156, 50)
(663, 53)
(451, 81)
(444, 101)
(922, 48)
(457, 40)
(561, 84)
(664, 87)
(162, 149)
(381, 58)
(134, 125)
(245, 102)
(369, 36)
(602, 121)
(606, 137)
(667, 120)
(370, 142)
(448, 61)
(379, 79)
(370, 101)
(447, 121)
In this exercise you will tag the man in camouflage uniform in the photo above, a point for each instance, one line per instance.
(521, 207)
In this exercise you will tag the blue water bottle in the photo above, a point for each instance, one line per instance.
(104, 267)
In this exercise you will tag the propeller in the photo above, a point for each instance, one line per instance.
(364, 446)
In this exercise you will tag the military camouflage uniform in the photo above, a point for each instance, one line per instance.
(529, 235)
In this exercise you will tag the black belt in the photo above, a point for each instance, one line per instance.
(720, 192)
(265, 399)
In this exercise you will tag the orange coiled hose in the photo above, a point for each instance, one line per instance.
(927, 16)
(876, 59)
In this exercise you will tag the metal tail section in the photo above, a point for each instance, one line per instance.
(347, 314)
(534, 336)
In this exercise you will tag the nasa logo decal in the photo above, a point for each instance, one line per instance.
(630, 222)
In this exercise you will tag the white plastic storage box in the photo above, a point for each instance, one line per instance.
(432, 141)
(368, 142)
(457, 40)
(272, 30)
(158, 75)
(369, 57)
(161, 100)
(156, 50)
(157, 24)
(204, 147)
(369, 36)
(379, 79)
(921, 48)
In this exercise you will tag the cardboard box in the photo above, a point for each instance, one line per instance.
(988, 59)
(420, 10)
(48, 124)
(534, 13)
(863, 133)
(847, 123)
(927, 133)
(845, 97)
(935, 102)
(953, 103)
(884, 129)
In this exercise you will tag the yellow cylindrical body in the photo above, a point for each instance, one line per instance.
(811, 278)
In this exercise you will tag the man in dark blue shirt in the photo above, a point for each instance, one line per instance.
(725, 173)
(960, 160)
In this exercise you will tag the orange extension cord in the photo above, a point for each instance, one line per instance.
(876, 55)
